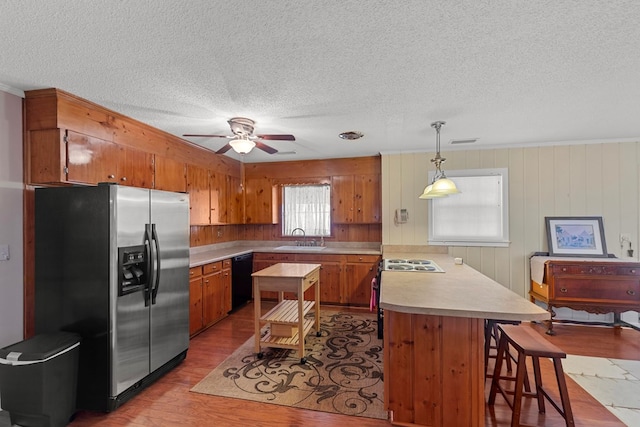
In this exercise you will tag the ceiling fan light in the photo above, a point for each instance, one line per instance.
(242, 146)
(428, 193)
(445, 186)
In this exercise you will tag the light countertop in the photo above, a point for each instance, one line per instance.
(460, 291)
(200, 255)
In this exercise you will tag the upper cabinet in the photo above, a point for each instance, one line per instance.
(356, 199)
(198, 188)
(70, 140)
(260, 201)
(170, 174)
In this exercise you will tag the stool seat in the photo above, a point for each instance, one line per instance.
(527, 343)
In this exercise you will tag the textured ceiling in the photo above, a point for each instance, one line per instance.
(511, 73)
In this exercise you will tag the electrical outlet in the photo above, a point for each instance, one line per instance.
(4, 252)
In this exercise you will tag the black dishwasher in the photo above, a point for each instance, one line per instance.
(241, 282)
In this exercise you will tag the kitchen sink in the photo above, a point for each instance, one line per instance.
(301, 248)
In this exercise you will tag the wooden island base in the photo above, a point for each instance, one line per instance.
(434, 369)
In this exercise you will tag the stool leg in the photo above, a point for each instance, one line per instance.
(517, 397)
(488, 328)
(538, 378)
(564, 394)
(502, 348)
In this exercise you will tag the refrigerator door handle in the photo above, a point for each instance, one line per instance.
(156, 276)
(147, 254)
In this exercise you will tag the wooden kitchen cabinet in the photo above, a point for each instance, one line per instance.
(198, 188)
(235, 200)
(218, 196)
(346, 279)
(356, 199)
(65, 156)
(210, 294)
(195, 300)
(260, 201)
(359, 272)
(170, 174)
(595, 286)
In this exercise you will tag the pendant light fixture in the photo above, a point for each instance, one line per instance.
(440, 186)
(242, 145)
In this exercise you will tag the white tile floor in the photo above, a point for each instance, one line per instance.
(613, 382)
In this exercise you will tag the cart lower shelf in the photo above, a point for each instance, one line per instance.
(285, 329)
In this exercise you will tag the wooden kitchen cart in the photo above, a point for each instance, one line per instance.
(287, 323)
(595, 285)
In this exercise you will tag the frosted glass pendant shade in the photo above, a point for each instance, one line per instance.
(242, 146)
(428, 193)
(444, 186)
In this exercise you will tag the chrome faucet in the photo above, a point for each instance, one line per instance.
(304, 236)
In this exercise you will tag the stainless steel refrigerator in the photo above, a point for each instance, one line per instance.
(112, 264)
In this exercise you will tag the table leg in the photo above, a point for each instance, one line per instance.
(257, 314)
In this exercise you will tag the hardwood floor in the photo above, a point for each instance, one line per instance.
(168, 402)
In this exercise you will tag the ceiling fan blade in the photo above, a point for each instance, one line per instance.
(224, 149)
(208, 136)
(265, 147)
(277, 137)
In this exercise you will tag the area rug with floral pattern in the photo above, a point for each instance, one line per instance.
(342, 373)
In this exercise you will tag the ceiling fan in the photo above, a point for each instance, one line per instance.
(243, 140)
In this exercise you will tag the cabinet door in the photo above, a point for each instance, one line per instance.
(198, 188)
(260, 197)
(367, 199)
(195, 305)
(169, 174)
(358, 282)
(226, 291)
(212, 300)
(135, 168)
(342, 199)
(235, 200)
(91, 160)
(218, 197)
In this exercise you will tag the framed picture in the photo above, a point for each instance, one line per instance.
(576, 236)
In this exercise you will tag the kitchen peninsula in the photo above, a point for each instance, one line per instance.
(434, 337)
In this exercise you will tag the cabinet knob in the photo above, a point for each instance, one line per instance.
(124, 178)
(563, 290)
(632, 271)
(564, 268)
(631, 292)
(111, 176)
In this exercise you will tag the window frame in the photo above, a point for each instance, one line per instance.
(319, 183)
(444, 240)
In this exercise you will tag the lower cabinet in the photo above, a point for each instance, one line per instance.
(359, 271)
(210, 287)
(344, 279)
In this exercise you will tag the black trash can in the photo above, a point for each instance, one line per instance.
(38, 379)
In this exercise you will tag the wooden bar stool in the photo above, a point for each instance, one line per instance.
(491, 338)
(527, 342)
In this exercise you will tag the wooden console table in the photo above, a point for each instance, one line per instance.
(287, 323)
(595, 285)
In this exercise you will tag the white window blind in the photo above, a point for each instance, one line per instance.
(307, 207)
(477, 216)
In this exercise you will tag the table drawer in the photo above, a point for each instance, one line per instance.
(311, 279)
(585, 268)
(594, 289)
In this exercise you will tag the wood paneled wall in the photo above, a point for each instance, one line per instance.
(563, 180)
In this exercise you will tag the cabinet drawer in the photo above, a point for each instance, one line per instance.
(614, 290)
(585, 268)
(212, 267)
(195, 272)
(629, 271)
(273, 257)
(541, 289)
(363, 258)
(226, 263)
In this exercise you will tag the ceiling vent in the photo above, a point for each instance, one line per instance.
(463, 141)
